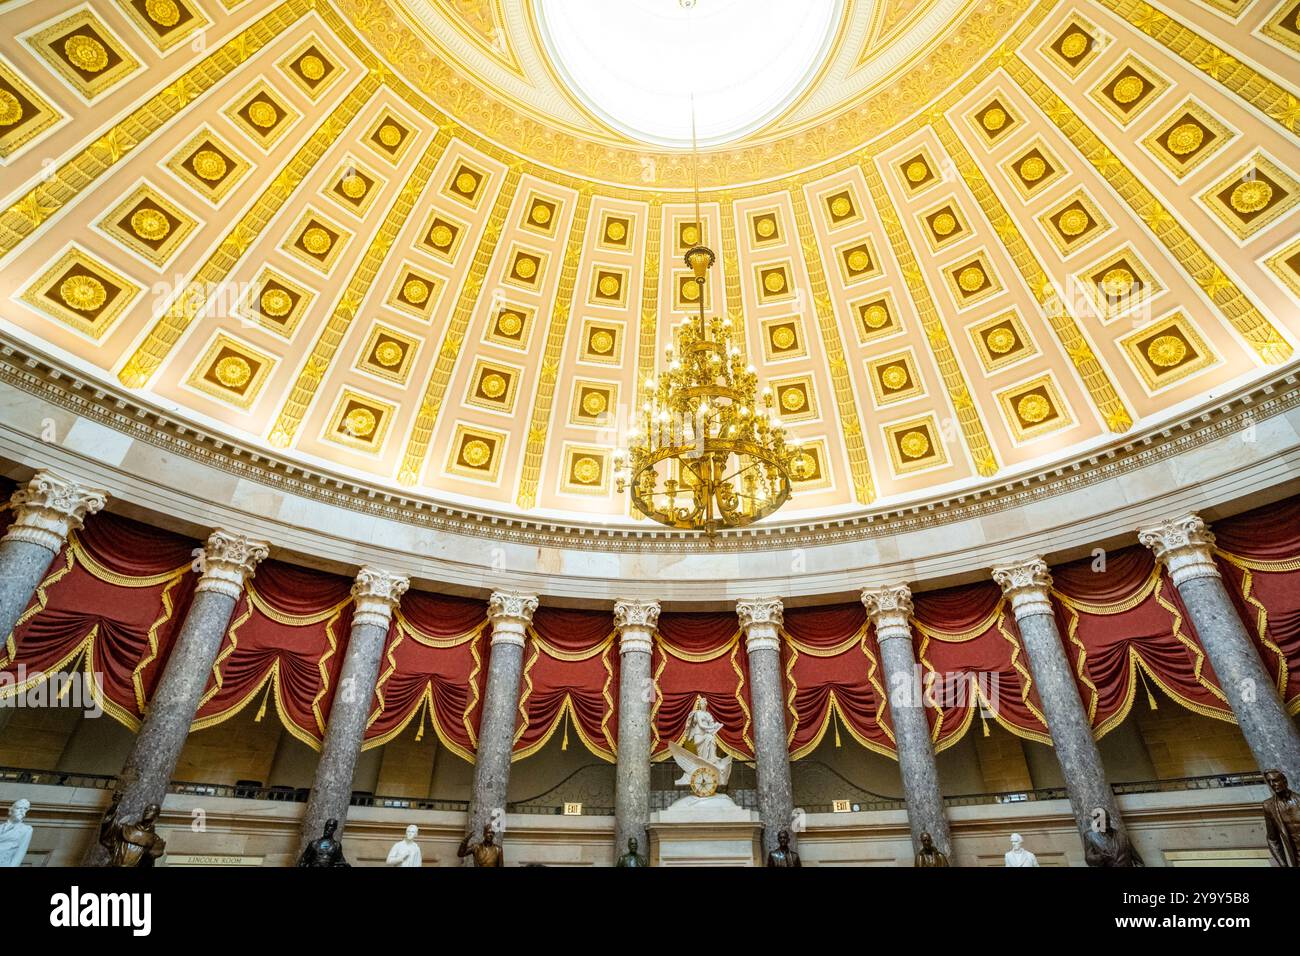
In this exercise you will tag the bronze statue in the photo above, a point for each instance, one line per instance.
(631, 857)
(1282, 820)
(783, 855)
(487, 852)
(132, 844)
(1105, 846)
(326, 851)
(929, 854)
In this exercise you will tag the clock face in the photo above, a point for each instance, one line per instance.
(704, 781)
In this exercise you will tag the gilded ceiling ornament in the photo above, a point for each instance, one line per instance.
(1033, 408)
(390, 135)
(594, 403)
(840, 205)
(1167, 351)
(1073, 222)
(466, 183)
(608, 285)
(525, 268)
(602, 342)
(916, 171)
(233, 371)
(476, 453)
(1185, 138)
(263, 114)
(416, 291)
(1250, 196)
(312, 67)
(586, 470)
(971, 279)
(360, 423)
(1032, 169)
(209, 164)
(150, 224)
(493, 385)
(1117, 282)
(1001, 340)
(615, 231)
(691, 291)
(353, 186)
(690, 235)
(165, 13)
(876, 316)
(317, 241)
(85, 53)
(914, 444)
(793, 399)
(1074, 45)
(775, 281)
(994, 119)
(389, 354)
(510, 324)
(11, 109)
(765, 228)
(442, 235)
(1129, 89)
(894, 377)
(83, 293)
(944, 224)
(858, 261)
(783, 337)
(541, 214)
(276, 302)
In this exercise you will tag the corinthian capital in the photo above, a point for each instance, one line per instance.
(636, 622)
(1027, 584)
(890, 610)
(228, 561)
(49, 508)
(761, 621)
(375, 593)
(1185, 546)
(510, 613)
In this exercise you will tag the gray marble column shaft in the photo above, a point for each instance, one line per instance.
(47, 509)
(761, 622)
(510, 614)
(890, 610)
(227, 562)
(636, 622)
(1186, 548)
(1028, 586)
(375, 593)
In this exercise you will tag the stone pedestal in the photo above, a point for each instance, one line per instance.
(1186, 548)
(47, 509)
(761, 622)
(706, 831)
(636, 622)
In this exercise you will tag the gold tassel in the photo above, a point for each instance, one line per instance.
(419, 734)
(984, 722)
(261, 711)
(564, 744)
(836, 723)
(1151, 698)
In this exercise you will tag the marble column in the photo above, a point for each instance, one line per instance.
(1185, 546)
(1028, 585)
(374, 595)
(761, 622)
(46, 509)
(226, 562)
(890, 610)
(510, 614)
(636, 622)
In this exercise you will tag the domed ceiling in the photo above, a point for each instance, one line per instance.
(435, 245)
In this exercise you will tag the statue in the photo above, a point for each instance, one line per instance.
(1018, 855)
(326, 851)
(702, 769)
(15, 836)
(486, 852)
(1282, 820)
(132, 844)
(631, 857)
(406, 852)
(929, 854)
(1104, 846)
(783, 856)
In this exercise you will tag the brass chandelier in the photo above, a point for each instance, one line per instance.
(705, 450)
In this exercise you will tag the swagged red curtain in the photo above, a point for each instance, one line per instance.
(114, 598)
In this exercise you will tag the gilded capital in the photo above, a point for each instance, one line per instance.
(1028, 585)
(228, 560)
(890, 610)
(761, 620)
(1185, 546)
(49, 508)
(636, 622)
(510, 613)
(375, 593)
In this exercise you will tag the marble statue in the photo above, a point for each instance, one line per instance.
(406, 852)
(15, 835)
(702, 769)
(487, 852)
(325, 851)
(1282, 820)
(1018, 855)
(1104, 846)
(132, 843)
(782, 855)
(929, 854)
(631, 857)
